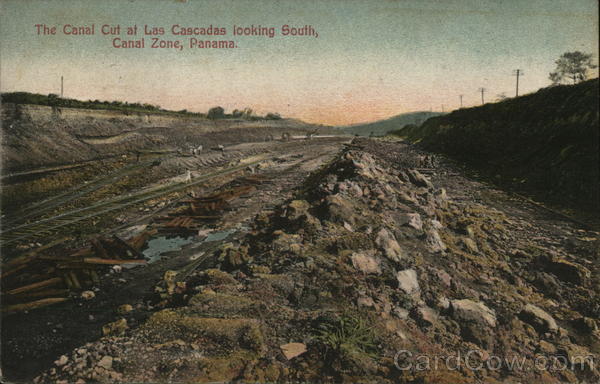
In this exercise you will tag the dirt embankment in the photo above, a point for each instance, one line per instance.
(545, 143)
(370, 270)
(36, 136)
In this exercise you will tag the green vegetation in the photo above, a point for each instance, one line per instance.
(545, 143)
(53, 100)
(348, 334)
(572, 66)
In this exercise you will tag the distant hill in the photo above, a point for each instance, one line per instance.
(381, 127)
(545, 143)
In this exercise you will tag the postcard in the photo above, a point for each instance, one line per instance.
(376, 191)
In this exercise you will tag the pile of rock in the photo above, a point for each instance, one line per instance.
(427, 274)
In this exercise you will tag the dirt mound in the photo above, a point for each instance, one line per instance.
(371, 274)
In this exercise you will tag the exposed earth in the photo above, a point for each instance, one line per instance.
(368, 261)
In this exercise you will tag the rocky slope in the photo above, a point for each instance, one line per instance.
(370, 271)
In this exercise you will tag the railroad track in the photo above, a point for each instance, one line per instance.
(49, 225)
(18, 229)
(38, 209)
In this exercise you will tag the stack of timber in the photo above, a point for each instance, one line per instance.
(49, 274)
(200, 209)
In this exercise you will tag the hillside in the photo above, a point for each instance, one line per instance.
(380, 128)
(545, 143)
(43, 136)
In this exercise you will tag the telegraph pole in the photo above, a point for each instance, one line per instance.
(442, 108)
(461, 96)
(517, 73)
(61, 87)
(482, 90)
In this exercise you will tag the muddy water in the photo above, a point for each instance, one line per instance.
(161, 245)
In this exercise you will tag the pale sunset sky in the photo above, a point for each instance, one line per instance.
(371, 59)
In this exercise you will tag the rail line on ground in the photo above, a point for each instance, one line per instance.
(49, 225)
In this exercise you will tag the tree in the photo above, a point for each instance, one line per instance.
(573, 66)
(501, 96)
(273, 116)
(216, 113)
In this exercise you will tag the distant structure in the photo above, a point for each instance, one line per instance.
(309, 135)
(61, 87)
(482, 90)
(461, 96)
(517, 73)
(197, 150)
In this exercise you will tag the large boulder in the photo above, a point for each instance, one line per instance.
(538, 318)
(434, 241)
(297, 209)
(408, 282)
(366, 263)
(340, 210)
(568, 271)
(473, 311)
(387, 243)
(476, 321)
(418, 179)
(412, 220)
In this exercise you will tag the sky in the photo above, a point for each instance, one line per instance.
(371, 59)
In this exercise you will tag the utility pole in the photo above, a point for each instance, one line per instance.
(482, 90)
(518, 72)
(61, 87)
(461, 96)
(442, 108)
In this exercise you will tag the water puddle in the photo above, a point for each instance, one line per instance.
(161, 245)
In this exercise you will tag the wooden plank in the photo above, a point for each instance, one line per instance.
(128, 248)
(76, 265)
(74, 279)
(39, 284)
(139, 241)
(83, 252)
(43, 293)
(5, 274)
(31, 255)
(99, 249)
(95, 260)
(33, 305)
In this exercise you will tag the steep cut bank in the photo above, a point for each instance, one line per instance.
(545, 143)
(36, 136)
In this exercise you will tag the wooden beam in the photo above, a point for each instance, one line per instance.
(33, 304)
(39, 284)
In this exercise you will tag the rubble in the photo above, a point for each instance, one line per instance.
(369, 258)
